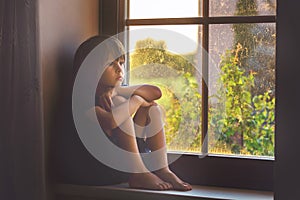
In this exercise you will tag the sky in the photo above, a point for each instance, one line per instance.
(167, 9)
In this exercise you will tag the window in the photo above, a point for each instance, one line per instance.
(230, 103)
(228, 30)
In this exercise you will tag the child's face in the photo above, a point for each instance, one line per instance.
(114, 73)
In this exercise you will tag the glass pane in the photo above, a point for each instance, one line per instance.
(165, 56)
(245, 55)
(242, 7)
(143, 9)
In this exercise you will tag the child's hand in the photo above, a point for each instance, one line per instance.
(105, 101)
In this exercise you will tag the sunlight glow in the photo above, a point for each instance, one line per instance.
(145, 9)
(163, 9)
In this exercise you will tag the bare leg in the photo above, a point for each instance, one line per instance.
(156, 141)
(127, 141)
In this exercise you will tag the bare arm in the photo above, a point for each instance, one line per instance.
(110, 120)
(148, 92)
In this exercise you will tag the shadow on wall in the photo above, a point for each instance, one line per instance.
(70, 162)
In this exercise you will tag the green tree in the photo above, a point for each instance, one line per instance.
(258, 41)
(148, 51)
(247, 125)
(153, 53)
(151, 62)
(244, 35)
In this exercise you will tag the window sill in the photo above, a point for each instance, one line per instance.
(84, 192)
(217, 155)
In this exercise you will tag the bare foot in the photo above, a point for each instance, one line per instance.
(169, 176)
(148, 181)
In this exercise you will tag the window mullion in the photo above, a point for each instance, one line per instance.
(204, 54)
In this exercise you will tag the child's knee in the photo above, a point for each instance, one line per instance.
(155, 110)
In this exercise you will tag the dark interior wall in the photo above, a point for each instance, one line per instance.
(287, 137)
(63, 25)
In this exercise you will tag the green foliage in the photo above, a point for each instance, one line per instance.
(190, 103)
(246, 7)
(152, 63)
(258, 41)
(154, 54)
(181, 103)
(247, 125)
(148, 51)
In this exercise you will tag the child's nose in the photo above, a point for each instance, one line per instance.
(119, 68)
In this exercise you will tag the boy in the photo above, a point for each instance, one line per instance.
(128, 115)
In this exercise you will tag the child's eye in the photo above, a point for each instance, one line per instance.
(111, 64)
(114, 64)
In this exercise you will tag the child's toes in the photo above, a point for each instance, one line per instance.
(184, 186)
(165, 186)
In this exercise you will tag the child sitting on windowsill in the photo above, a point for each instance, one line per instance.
(129, 116)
